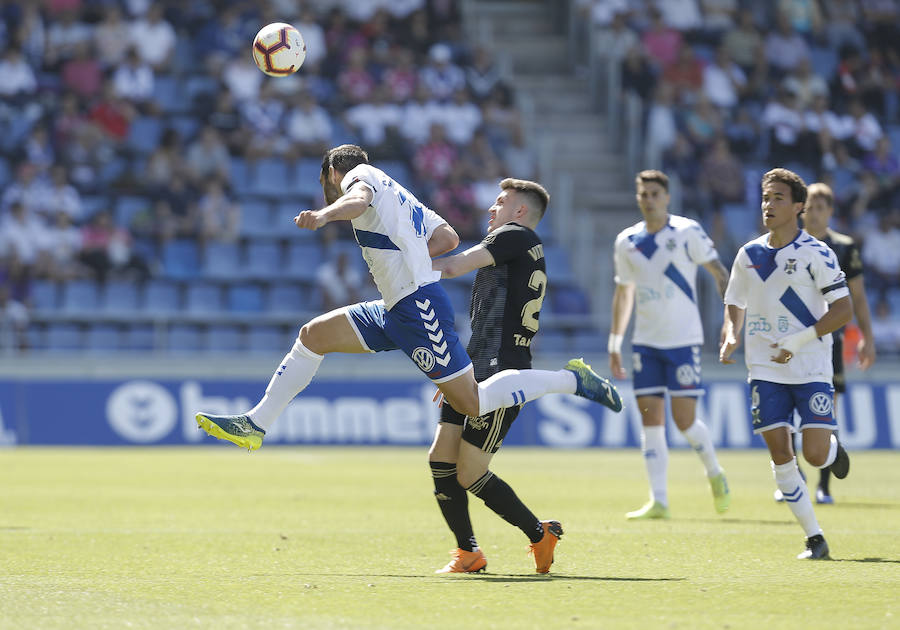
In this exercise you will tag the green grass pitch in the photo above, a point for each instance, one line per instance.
(350, 538)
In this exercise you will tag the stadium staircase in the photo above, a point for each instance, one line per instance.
(588, 180)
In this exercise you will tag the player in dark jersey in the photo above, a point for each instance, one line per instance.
(506, 303)
(819, 208)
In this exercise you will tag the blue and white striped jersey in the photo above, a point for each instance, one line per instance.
(783, 291)
(663, 268)
(393, 234)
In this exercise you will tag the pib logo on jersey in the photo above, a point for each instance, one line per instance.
(423, 358)
(820, 404)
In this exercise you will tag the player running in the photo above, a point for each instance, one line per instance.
(506, 304)
(789, 289)
(397, 236)
(656, 264)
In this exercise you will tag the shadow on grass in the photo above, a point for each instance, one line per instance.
(507, 577)
(754, 521)
(888, 560)
(13, 528)
(877, 506)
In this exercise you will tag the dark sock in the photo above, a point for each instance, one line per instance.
(454, 504)
(825, 479)
(498, 496)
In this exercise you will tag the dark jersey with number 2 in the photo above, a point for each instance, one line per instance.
(506, 301)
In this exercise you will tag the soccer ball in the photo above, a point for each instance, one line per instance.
(279, 49)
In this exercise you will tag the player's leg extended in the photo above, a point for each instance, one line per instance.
(331, 332)
(481, 439)
(656, 457)
(452, 498)
(821, 448)
(684, 411)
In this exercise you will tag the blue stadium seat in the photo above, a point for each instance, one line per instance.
(167, 93)
(181, 259)
(305, 179)
(591, 342)
(138, 338)
(186, 126)
(341, 133)
(223, 338)
(256, 218)
(102, 338)
(144, 134)
(161, 297)
(113, 170)
(568, 300)
(44, 295)
(398, 171)
(283, 219)
(288, 298)
(893, 133)
(552, 340)
(239, 176)
(741, 221)
(183, 338)
(824, 61)
(127, 207)
(222, 260)
(270, 177)
(120, 297)
(5, 173)
(63, 337)
(556, 260)
(302, 260)
(268, 339)
(203, 298)
(264, 259)
(245, 298)
(198, 86)
(460, 297)
(92, 204)
(80, 296)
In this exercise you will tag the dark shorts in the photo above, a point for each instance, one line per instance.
(485, 432)
(837, 360)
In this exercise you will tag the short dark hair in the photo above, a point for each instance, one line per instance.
(344, 158)
(819, 191)
(794, 181)
(652, 175)
(536, 195)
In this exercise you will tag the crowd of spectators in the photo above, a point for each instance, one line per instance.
(157, 102)
(731, 88)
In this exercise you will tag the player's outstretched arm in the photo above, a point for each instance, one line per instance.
(473, 258)
(443, 239)
(622, 304)
(346, 208)
(866, 347)
(731, 332)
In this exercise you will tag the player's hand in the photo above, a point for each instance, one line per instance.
(783, 355)
(438, 398)
(865, 352)
(729, 345)
(615, 365)
(309, 220)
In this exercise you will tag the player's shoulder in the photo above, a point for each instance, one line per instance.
(364, 173)
(630, 232)
(513, 232)
(683, 224)
(840, 239)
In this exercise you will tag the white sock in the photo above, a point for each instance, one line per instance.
(832, 452)
(292, 376)
(514, 387)
(656, 459)
(697, 436)
(789, 481)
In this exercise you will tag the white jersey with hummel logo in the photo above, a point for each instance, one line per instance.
(663, 268)
(783, 291)
(393, 234)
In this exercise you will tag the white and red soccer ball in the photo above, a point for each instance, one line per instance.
(279, 49)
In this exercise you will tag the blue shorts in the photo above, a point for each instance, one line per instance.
(421, 324)
(773, 404)
(676, 370)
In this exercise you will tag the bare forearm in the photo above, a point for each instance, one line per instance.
(734, 320)
(623, 300)
(839, 313)
(861, 306)
(720, 274)
(344, 209)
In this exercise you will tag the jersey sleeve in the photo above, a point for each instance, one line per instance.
(507, 242)
(736, 291)
(852, 264)
(827, 274)
(432, 221)
(624, 274)
(360, 175)
(700, 248)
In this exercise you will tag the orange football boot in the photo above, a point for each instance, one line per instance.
(465, 562)
(543, 549)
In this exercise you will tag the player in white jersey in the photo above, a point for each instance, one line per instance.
(397, 236)
(656, 264)
(788, 289)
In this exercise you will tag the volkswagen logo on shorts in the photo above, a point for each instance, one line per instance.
(423, 358)
(685, 375)
(820, 404)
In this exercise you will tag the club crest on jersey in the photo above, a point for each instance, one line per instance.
(820, 404)
(423, 358)
(782, 324)
(790, 266)
(670, 244)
